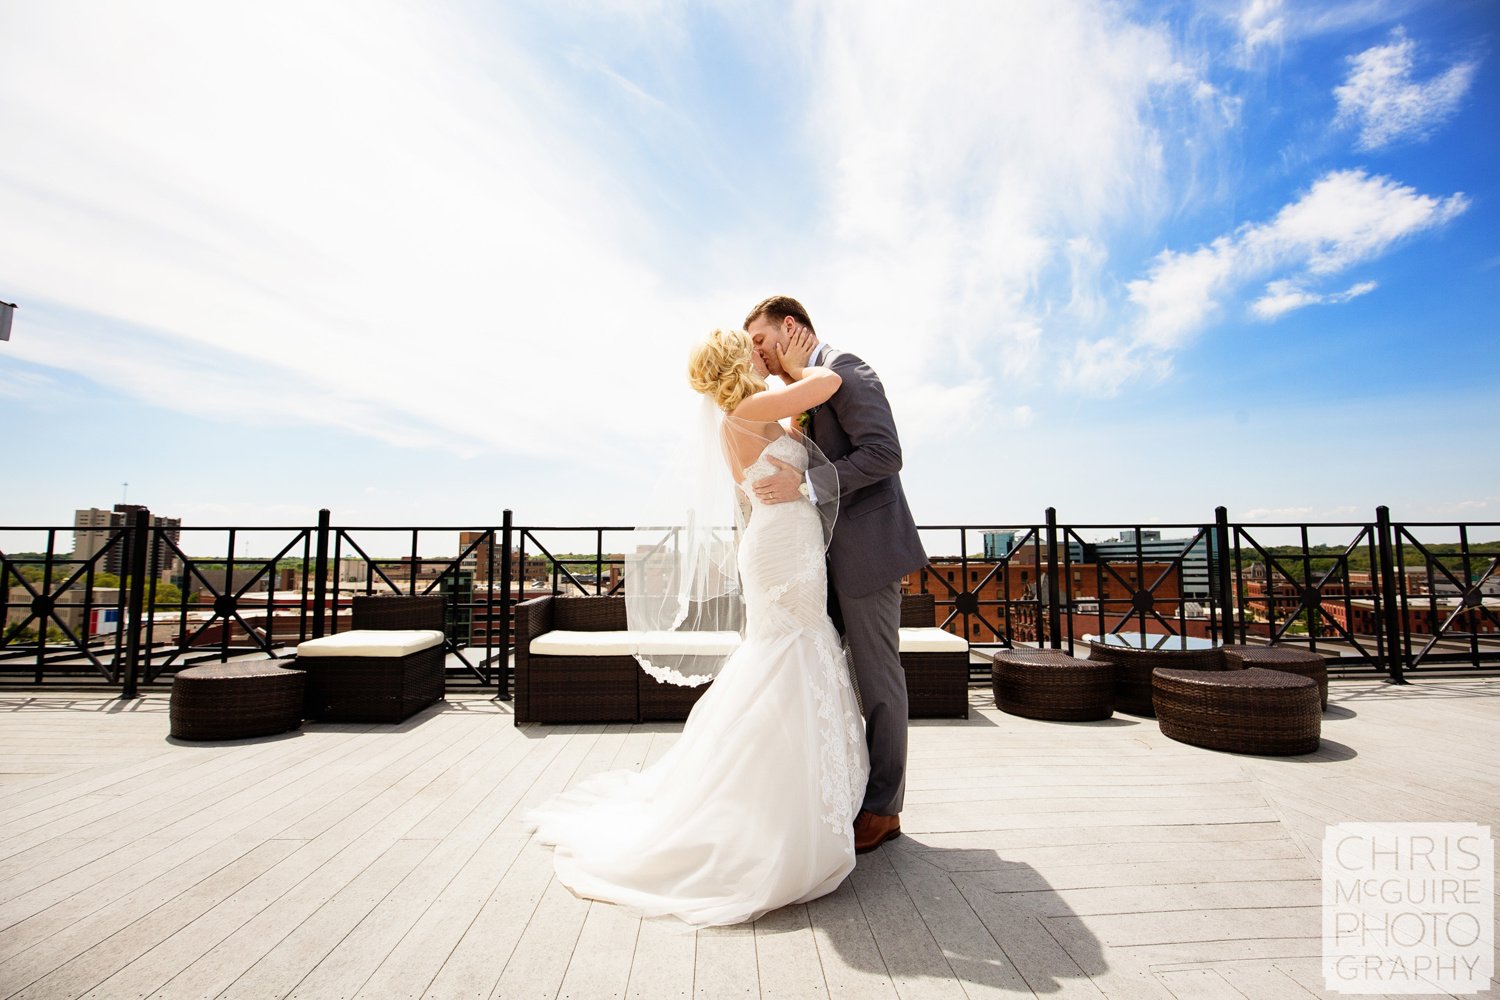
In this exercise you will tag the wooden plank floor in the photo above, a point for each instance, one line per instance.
(1047, 859)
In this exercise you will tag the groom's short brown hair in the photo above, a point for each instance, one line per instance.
(778, 308)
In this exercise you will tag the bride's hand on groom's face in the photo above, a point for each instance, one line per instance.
(793, 356)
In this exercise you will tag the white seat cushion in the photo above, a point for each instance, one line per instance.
(561, 642)
(688, 643)
(372, 642)
(931, 640)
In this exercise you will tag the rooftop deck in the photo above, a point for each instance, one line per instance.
(1087, 860)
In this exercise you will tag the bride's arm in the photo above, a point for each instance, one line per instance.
(816, 386)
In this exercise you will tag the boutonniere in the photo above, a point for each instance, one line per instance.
(804, 419)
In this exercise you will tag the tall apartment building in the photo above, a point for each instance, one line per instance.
(92, 530)
(94, 527)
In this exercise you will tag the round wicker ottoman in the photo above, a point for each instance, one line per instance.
(1133, 669)
(1255, 711)
(232, 701)
(1292, 659)
(1050, 684)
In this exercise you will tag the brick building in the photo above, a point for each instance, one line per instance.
(1009, 597)
(486, 558)
(1424, 617)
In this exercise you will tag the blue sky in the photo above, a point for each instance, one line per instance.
(1129, 260)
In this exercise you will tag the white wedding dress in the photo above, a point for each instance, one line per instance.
(752, 808)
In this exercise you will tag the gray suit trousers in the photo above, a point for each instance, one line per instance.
(871, 627)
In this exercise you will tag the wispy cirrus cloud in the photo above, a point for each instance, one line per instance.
(1261, 24)
(1269, 28)
(969, 213)
(1383, 100)
(354, 223)
(422, 197)
(1283, 296)
(467, 230)
(1346, 218)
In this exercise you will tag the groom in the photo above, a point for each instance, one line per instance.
(875, 544)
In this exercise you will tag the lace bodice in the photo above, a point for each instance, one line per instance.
(783, 449)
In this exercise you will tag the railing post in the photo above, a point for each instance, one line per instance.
(140, 541)
(1054, 591)
(1228, 592)
(320, 576)
(1390, 618)
(503, 689)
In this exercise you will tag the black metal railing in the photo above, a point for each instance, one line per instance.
(1379, 597)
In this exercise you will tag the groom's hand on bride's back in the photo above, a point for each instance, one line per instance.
(781, 486)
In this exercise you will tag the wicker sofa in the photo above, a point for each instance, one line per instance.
(575, 663)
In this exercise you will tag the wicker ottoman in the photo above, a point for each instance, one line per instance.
(1254, 711)
(234, 701)
(1133, 669)
(1292, 659)
(1050, 684)
(376, 675)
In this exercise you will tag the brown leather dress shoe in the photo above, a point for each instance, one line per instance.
(871, 830)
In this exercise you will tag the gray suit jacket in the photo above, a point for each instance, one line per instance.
(875, 540)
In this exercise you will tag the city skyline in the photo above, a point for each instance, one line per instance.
(1129, 261)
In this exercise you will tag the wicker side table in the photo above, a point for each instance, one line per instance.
(1254, 711)
(1133, 669)
(1050, 684)
(234, 701)
(1292, 659)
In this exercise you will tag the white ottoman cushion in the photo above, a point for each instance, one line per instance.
(372, 642)
(931, 640)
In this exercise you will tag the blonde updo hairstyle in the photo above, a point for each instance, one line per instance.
(722, 368)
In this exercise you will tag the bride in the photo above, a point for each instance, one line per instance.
(752, 808)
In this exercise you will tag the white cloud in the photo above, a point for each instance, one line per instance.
(25, 385)
(1387, 105)
(1268, 31)
(1283, 296)
(927, 411)
(414, 230)
(459, 228)
(1278, 513)
(1261, 24)
(955, 240)
(1346, 218)
(386, 228)
(1268, 27)
(1086, 264)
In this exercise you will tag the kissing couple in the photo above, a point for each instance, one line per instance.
(786, 767)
